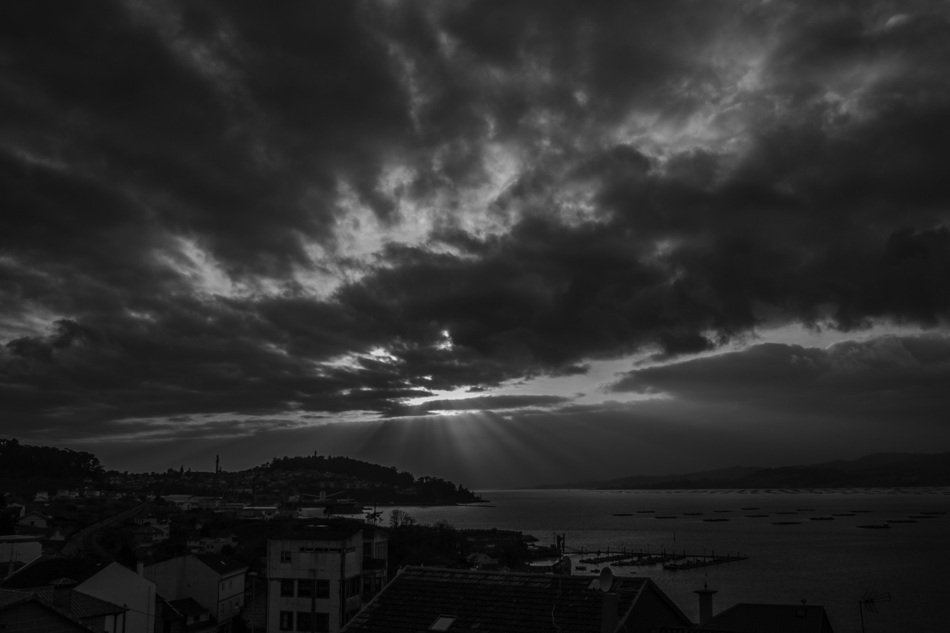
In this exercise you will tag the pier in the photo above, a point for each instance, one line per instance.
(671, 561)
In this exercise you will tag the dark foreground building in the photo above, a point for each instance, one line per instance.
(456, 601)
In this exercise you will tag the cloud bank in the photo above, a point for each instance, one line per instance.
(339, 209)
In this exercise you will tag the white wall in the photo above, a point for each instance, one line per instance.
(122, 586)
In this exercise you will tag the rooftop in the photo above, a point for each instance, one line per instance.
(774, 618)
(221, 564)
(452, 600)
(44, 570)
(314, 531)
(12, 599)
(80, 604)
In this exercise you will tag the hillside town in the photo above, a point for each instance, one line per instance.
(300, 545)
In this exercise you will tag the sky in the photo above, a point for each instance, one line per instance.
(502, 242)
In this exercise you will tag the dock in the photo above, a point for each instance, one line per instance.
(671, 561)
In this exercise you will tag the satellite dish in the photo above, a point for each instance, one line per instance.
(606, 580)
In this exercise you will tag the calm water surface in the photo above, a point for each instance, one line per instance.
(830, 562)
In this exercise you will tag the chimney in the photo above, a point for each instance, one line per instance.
(610, 612)
(62, 594)
(705, 603)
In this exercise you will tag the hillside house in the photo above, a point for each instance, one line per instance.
(214, 582)
(110, 582)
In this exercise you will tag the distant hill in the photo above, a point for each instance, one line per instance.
(23, 461)
(872, 471)
(376, 479)
(27, 469)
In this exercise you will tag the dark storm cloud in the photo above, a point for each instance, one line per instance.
(589, 180)
(901, 381)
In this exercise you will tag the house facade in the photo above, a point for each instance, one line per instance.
(214, 582)
(314, 579)
(109, 582)
(120, 585)
(17, 550)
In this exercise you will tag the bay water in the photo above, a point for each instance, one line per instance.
(810, 545)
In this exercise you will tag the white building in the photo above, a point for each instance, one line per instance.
(214, 582)
(315, 576)
(15, 548)
(122, 586)
(110, 582)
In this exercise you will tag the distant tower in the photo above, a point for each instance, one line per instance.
(705, 603)
(217, 464)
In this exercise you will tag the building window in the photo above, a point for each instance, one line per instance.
(323, 622)
(304, 588)
(286, 620)
(323, 588)
(304, 621)
(286, 588)
(285, 556)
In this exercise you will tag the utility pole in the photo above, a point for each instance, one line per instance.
(313, 597)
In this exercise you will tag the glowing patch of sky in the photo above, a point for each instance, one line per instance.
(198, 267)
(29, 320)
(207, 277)
(361, 234)
(824, 337)
(36, 158)
(593, 387)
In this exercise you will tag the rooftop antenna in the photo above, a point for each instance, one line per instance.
(869, 602)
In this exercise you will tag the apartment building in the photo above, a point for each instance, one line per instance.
(315, 576)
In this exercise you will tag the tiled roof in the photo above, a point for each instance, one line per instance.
(9, 597)
(45, 570)
(316, 530)
(419, 599)
(774, 618)
(220, 564)
(80, 605)
(12, 599)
